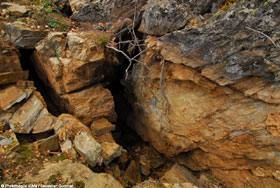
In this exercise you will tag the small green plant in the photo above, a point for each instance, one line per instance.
(58, 158)
(104, 40)
(52, 23)
(79, 184)
(53, 180)
(46, 3)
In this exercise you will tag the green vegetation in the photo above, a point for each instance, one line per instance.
(104, 40)
(58, 158)
(53, 180)
(26, 151)
(79, 184)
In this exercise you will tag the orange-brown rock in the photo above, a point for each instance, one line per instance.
(71, 61)
(10, 68)
(89, 104)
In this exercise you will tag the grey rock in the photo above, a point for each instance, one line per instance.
(23, 118)
(106, 11)
(88, 148)
(163, 16)
(22, 36)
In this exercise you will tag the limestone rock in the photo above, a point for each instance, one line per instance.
(71, 172)
(108, 137)
(163, 16)
(17, 10)
(211, 95)
(10, 96)
(68, 126)
(110, 151)
(71, 61)
(106, 11)
(89, 104)
(8, 142)
(22, 36)
(48, 144)
(88, 148)
(76, 4)
(101, 126)
(23, 118)
(45, 122)
(10, 68)
(179, 174)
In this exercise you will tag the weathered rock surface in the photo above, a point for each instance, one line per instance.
(163, 16)
(105, 11)
(10, 68)
(67, 127)
(179, 174)
(48, 144)
(74, 172)
(110, 151)
(8, 142)
(31, 114)
(17, 10)
(89, 149)
(10, 96)
(211, 94)
(71, 61)
(22, 36)
(101, 126)
(89, 104)
(76, 4)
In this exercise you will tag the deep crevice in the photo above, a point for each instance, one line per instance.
(27, 64)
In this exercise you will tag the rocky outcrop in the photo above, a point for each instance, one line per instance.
(104, 11)
(210, 95)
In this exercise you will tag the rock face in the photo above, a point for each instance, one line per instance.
(104, 11)
(22, 36)
(211, 95)
(163, 16)
(74, 60)
(74, 172)
(88, 148)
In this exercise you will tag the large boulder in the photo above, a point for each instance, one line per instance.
(211, 95)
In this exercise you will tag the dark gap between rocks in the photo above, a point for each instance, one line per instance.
(26, 63)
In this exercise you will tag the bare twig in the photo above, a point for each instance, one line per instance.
(262, 34)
